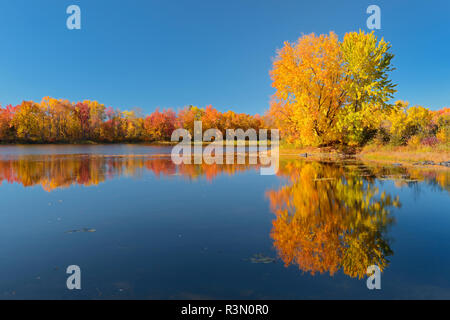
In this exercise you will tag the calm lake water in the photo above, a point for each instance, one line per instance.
(141, 227)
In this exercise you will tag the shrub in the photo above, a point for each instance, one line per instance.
(382, 136)
(443, 135)
(430, 141)
(414, 141)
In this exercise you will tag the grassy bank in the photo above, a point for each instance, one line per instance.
(406, 154)
(386, 153)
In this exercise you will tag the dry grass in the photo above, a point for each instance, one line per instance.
(438, 153)
(386, 153)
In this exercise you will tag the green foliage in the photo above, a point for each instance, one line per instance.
(368, 63)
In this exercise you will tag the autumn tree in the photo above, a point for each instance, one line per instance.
(30, 122)
(187, 116)
(96, 118)
(83, 114)
(311, 88)
(160, 125)
(367, 64)
(408, 122)
(59, 120)
(212, 119)
(62, 122)
(331, 91)
(133, 126)
(441, 121)
(7, 132)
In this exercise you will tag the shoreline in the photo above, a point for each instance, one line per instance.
(387, 155)
(431, 159)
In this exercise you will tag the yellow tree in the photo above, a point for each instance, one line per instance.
(63, 123)
(408, 122)
(310, 84)
(367, 63)
(134, 125)
(30, 122)
(96, 118)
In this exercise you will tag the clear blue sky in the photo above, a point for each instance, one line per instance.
(164, 53)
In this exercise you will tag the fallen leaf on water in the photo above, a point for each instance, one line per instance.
(81, 230)
(260, 258)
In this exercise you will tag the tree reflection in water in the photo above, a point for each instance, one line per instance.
(61, 171)
(329, 216)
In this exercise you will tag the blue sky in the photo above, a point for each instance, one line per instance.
(165, 53)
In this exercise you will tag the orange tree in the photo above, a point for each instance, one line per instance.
(329, 91)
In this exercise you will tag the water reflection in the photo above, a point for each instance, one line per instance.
(328, 216)
(332, 217)
(61, 171)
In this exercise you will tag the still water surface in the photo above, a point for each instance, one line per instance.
(141, 227)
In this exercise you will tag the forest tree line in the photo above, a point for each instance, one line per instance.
(327, 92)
(59, 121)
